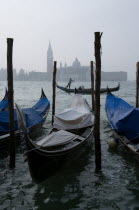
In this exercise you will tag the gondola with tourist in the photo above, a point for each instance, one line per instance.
(83, 90)
(35, 117)
(124, 120)
(71, 135)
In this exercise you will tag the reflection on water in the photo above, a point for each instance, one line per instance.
(77, 185)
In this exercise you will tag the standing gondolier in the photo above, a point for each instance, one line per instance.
(69, 83)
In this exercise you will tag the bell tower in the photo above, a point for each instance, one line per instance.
(49, 58)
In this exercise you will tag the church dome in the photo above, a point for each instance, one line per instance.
(76, 63)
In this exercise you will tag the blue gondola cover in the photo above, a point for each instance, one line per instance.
(123, 118)
(3, 104)
(41, 106)
(33, 115)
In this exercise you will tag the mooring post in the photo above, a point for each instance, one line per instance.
(92, 84)
(54, 91)
(137, 84)
(97, 45)
(11, 101)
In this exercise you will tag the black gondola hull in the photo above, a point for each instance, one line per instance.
(42, 165)
(87, 90)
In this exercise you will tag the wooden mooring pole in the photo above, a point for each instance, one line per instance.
(54, 91)
(137, 85)
(92, 84)
(97, 45)
(11, 101)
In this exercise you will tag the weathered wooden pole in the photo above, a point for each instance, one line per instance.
(54, 91)
(11, 101)
(137, 84)
(97, 45)
(92, 84)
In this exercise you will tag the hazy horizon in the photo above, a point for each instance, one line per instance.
(70, 27)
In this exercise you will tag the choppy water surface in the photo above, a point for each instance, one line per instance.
(76, 186)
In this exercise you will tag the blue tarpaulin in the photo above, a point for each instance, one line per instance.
(41, 106)
(123, 117)
(3, 104)
(33, 115)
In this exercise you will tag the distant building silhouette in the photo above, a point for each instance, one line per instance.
(114, 76)
(49, 59)
(76, 71)
(82, 73)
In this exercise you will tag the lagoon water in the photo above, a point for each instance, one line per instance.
(76, 186)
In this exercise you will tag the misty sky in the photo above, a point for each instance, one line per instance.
(70, 26)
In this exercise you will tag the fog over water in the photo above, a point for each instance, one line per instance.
(70, 26)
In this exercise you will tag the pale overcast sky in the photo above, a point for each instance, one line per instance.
(70, 26)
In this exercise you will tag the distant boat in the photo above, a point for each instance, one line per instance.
(83, 90)
(70, 136)
(124, 121)
(34, 116)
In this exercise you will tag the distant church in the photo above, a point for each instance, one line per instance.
(49, 59)
(78, 72)
(75, 71)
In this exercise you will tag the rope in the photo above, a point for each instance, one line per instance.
(134, 138)
(40, 152)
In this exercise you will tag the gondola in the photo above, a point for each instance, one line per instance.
(124, 120)
(4, 102)
(70, 136)
(83, 90)
(35, 117)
